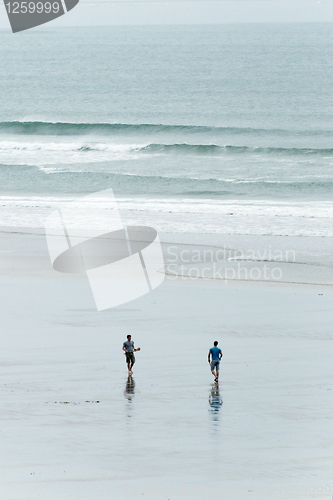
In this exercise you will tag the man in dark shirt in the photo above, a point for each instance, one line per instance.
(216, 354)
(128, 347)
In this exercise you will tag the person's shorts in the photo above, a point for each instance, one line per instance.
(215, 365)
(130, 358)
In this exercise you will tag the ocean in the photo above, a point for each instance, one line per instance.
(199, 129)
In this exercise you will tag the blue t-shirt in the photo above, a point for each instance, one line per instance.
(215, 351)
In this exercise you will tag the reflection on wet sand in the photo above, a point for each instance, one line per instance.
(215, 401)
(129, 389)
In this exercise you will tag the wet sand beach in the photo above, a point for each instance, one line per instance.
(74, 427)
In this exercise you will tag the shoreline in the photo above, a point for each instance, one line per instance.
(234, 258)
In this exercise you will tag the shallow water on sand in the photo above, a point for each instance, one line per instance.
(72, 419)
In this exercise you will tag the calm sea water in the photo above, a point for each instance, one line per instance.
(197, 124)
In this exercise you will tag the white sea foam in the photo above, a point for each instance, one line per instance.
(54, 152)
(192, 216)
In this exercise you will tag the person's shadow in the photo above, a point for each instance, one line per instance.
(215, 401)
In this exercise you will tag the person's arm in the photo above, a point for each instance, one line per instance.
(209, 353)
(124, 348)
(221, 354)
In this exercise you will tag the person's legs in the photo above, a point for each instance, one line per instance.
(129, 363)
(132, 363)
(215, 365)
(212, 368)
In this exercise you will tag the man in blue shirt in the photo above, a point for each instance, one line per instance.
(216, 354)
